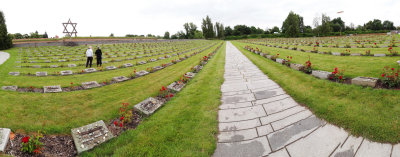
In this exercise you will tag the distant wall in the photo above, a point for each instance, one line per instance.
(82, 42)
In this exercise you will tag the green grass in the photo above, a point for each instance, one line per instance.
(185, 126)
(353, 66)
(63, 111)
(367, 112)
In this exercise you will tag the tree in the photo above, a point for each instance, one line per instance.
(275, 29)
(5, 39)
(18, 36)
(325, 25)
(374, 25)
(45, 35)
(291, 26)
(228, 31)
(241, 30)
(388, 25)
(316, 25)
(208, 28)
(198, 35)
(190, 29)
(166, 35)
(219, 29)
(112, 35)
(337, 25)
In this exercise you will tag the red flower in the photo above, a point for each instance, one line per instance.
(25, 139)
(375, 43)
(104, 82)
(277, 54)
(171, 95)
(166, 96)
(72, 83)
(116, 123)
(340, 77)
(163, 88)
(383, 75)
(392, 69)
(120, 124)
(122, 118)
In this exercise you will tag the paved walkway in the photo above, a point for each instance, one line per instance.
(257, 118)
(3, 57)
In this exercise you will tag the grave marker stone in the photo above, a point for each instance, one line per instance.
(90, 70)
(298, 67)
(91, 84)
(10, 88)
(128, 65)
(89, 136)
(321, 74)
(71, 65)
(365, 81)
(14, 73)
(41, 73)
(4, 137)
(66, 72)
(111, 68)
(142, 62)
(176, 86)
(52, 89)
(36, 66)
(148, 106)
(141, 73)
(190, 74)
(156, 68)
(379, 55)
(120, 78)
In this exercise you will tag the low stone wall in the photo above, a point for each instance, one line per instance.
(86, 42)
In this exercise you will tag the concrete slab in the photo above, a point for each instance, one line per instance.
(255, 147)
(373, 149)
(348, 148)
(237, 136)
(241, 125)
(240, 114)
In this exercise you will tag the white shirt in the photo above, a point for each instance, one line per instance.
(89, 53)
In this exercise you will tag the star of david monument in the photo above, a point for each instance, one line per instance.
(70, 33)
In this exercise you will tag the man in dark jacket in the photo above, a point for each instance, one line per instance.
(98, 56)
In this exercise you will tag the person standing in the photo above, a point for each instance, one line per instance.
(89, 55)
(98, 56)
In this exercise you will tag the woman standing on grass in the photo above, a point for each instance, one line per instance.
(98, 56)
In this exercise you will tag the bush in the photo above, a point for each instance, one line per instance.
(390, 77)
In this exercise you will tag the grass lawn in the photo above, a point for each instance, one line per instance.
(185, 126)
(63, 111)
(371, 113)
(353, 65)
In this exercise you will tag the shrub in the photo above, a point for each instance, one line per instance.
(390, 77)
(337, 75)
(31, 144)
(307, 66)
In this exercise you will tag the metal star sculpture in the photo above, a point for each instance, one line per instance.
(73, 28)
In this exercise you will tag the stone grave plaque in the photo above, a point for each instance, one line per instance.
(130, 58)
(91, 84)
(10, 88)
(14, 73)
(32, 62)
(41, 73)
(4, 136)
(161, 58)
(398, 62)
(47, 61)
(190, 74)
(75, 59)
(379, 55)
(118, 60)
(120, 78)
(90, 70)
(174, 54)
(139, 57)
(111, 68)
(156, 68)
(142, 62)
(36, 66)
(53, 66)
(279, 60)
(175, 86)
(66, 72)
(71, 65)
(141, 73)
(298, 67)
(169, 64)
(321, 74)
(365, 81)
(355, 54)
(52, 89)
(152, 60)
(61, 60)
(336, 53)
(128, 65)
(148, 106)
(197, 68)
(17, 61)
(167, 56)
(113, 57)
(104, 62)
(89, 136)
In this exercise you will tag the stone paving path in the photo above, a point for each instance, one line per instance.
(3, 57)
(257, 118)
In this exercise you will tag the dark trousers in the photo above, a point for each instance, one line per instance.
(89, 61)
(99, 61)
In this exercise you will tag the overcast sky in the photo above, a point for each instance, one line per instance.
(121, 17)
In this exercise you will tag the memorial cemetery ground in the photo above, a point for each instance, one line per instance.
(371, 112)
(28, 109)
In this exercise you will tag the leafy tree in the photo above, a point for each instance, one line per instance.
(337, 25)
(374, 25)
(307, 29)
(174, 36)
(166, 35)
(325, 24)
(275, 29)
(219, 29)
(228, 31)
(291, 26)
(18, 36)
(388, 25)
(5, 39)
(112, 35)
(241, 30)
(208, 28)
(198, 35)
(190, 29)
(45, 35)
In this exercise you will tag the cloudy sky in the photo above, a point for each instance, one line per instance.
(121, 17)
